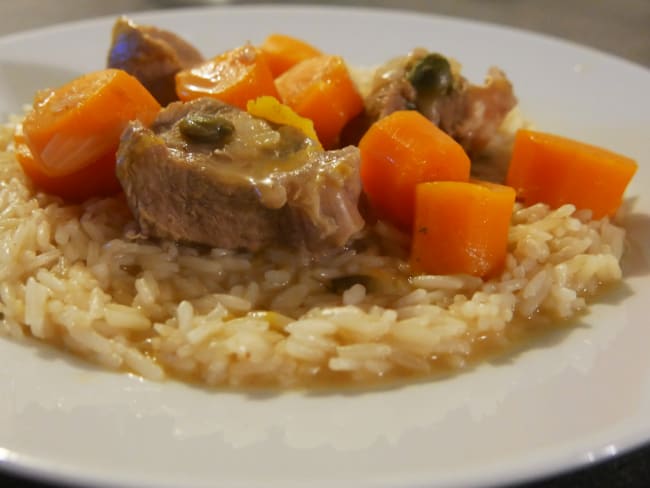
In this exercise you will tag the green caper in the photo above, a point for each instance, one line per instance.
(432, 75)
(208, 128)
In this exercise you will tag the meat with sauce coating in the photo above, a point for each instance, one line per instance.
(432, 84)
(152, 55)
(211, 174)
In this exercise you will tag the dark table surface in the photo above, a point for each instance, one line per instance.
(620, 27)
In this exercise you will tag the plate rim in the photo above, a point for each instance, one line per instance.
(378, 10)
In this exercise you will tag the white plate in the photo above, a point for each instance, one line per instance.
(570, 400)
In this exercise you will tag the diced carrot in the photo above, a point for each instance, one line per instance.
(398, 152)
(74, 126)
(271, 109)
(322, 90)
(234, 77)
(461, 227)
(282, 52)
(95, 180)
(555, 170)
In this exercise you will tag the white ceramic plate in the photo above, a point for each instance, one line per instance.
(570, 400)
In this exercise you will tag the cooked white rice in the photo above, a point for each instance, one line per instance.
(72, 276)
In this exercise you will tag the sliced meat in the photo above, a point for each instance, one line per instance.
(484, 109)
(391, 89)
(209, 173)
(152, 55)
(433, 85)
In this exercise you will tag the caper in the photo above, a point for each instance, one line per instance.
(208, 128)
(432, 75)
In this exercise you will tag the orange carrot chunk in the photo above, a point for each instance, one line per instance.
(321, 90)
(283, 52)
(67, 143)
(461, 227)
(95, 180)
(234, 77)
(72, 126)
(398, 152)
(555, 170)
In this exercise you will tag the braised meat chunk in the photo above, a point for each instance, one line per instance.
(152, 55)
(209, 173)
(432, 84)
